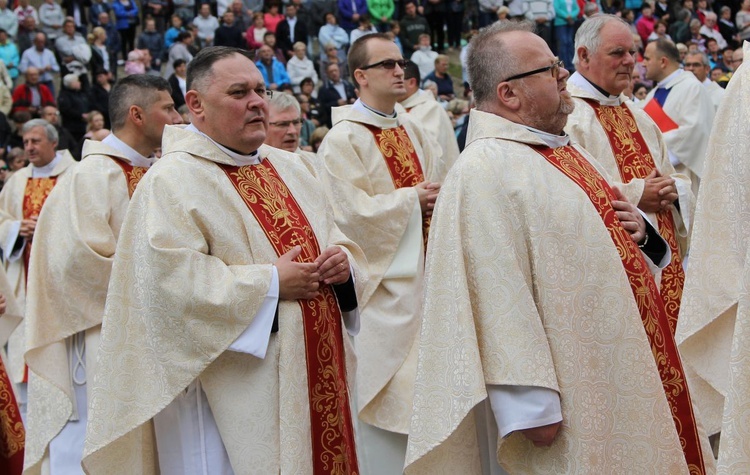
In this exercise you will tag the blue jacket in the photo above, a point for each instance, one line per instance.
(125, 14)
(280, 75)
(9, 55)
(346, 11)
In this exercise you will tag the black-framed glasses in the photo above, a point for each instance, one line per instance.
(386, 64)
(286, 123)
(554, 67)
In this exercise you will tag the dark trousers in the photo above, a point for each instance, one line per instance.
(455, 24)
(436, 21)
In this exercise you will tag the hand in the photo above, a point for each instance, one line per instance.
(428, 193)
(333, 266)
(27, 227)
(629, 216)
(297, 280)
(542, 436)
(658, 192)
(2, 304)
(341, 102)
(420, 10)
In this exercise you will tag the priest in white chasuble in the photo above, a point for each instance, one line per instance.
(545, 347)
(715, 316)
(75, 241)
(224, 335)
(21, 201)
(425, 111)
(382, 176)
(627, 144)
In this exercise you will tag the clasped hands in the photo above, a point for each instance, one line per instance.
(427, 193)
(28, 226)
(629, 217)
(301, 280)
(658, 192)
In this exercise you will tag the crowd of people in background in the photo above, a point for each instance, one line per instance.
(58, 61)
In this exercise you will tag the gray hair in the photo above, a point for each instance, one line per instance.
(283, 101)
(589, 33)
(69, 79)
(711, 15)
(703, 56)
(49, 129)
(489, 60)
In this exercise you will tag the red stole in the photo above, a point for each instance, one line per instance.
(12, 433)
(635, 161)
(650, 305)
(663, 121)
(132, 174)
(402, 161)
(285, 225)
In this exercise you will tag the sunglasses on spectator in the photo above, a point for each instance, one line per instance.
(386, 64)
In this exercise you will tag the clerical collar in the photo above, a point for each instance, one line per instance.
(239, 158)
(602, 96)
(135, 158)
(359, 105)
(552, 140)
(663, 83)
(46, 170)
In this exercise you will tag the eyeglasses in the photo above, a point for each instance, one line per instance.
(386, 64)
(554, 67)
(693, 65)
(284, 124)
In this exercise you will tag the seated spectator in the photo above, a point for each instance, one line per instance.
(74, 106)
(335, 92)
(16, 159)
(412, 25)
(99, 94)
(170, 36)
(290, 30)
(178, 82)
(300, 67)
(742, 21)
(68, 45)
(640, 91)
(153, 41)
(185, 9)
(646, 23)
(332, 57)
(97, 8)
(42, 59)
(32, 95)
(114, 44)
(441, 77)
(6, 89)
(660, 31)
(102, 58)
(51, 18)
(179, 50)
(312, 109)
(424, 57)
(9, 54)
(395, 32)
(713, 52)
(304, 104)
(365, 27)
(24, 11)
(241, 18)
(65, 140)
(8, 19)
(316, 138)
(138, 62)
(255, 34)
(679, 30)
(273, 71)
(269, 39)
(272, 18)
(711, 30)
(228, 34)
(332, 34)
(727, 27)
(695, 36)
(207, 25)
(94, 124)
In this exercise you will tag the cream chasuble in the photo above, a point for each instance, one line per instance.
(191, 269)
(372, 212)
(425, 111)
(714, 326)
(74, 243)
(524, 287)
(11, 213)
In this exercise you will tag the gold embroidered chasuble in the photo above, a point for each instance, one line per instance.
(524, 287)
(11, 209)
(76, 237)
(714, 324)
(189, 275)
(376, 215)
(427, 114)
(12, 430)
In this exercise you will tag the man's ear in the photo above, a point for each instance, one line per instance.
(194, 103)
(507, 96)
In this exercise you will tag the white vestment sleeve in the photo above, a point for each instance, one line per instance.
(406, 260)
(673, 159)
(523, 407)
(254, 340)
(10, 243)
(683, 193)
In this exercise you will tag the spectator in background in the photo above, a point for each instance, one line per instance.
(412, 25)
(179, 50)
(24, 11)
(488, 11)
(51, 18)
(290, 30)
(68, 44)
(424, 57)
(319, 11)
(441, 77)
(97, 7)
(95, 127)
(646, 23)
(660, 31)
(365, 28)
(153, 41)
(65, 140)
(566, 12)
(185, 9)
(711, 30)
(206, 24)
(9, 54)
(229, 34)
(309, 102)
(316, 138)
(6, 89)
(126, 12)
(156, 9)
(175, 28)
(542, 13)
(713, 52)
(178, 82)
(300, 67)
(17, 158)
(99, 94)
(727, 28)
(394, 33)
(332, 58)
(74, 106)
(113, 37)
(255, 34)
(32, 95)
(679, 31)
(41, 59)
(381, 12)
(742, 21)
(335, 92)
(273, 71)
(269, 39)
(331, 34)
(8, 19)
(349, 13)
(434, 12)
(102, 59)
(695, 35)
(455, 19)
(75, 9)
(272, 17)
(241, 18)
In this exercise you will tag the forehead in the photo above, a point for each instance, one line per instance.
(378, 50)
(236, 69)
(528, 45)
(276, 114)
(615, 35)
(36, 133)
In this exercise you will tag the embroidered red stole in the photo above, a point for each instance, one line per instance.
(402, 161)
(571, 163)
(634, 160)
(663, 121)
(285, 225)
(132, 174)
(12, 433)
